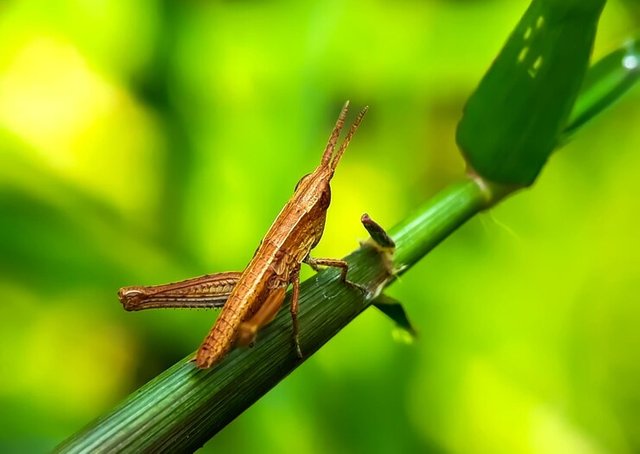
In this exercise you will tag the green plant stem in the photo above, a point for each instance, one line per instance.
(182, 408)
(421, 231)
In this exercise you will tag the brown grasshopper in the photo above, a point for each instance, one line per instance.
(251, 299)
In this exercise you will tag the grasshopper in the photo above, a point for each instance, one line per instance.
(251, 299)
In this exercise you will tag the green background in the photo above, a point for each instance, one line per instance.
(146, 142)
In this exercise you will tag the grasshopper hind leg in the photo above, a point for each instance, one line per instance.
(248, 330)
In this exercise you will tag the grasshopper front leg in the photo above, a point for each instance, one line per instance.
(295, 302)
(335, 263)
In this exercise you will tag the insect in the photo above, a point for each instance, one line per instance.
(251, 299)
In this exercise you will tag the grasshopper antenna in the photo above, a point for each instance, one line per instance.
(347, 139)
(333, 138)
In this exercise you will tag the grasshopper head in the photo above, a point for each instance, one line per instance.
(314, 188)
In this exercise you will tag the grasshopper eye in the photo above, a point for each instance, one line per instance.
(301, 180)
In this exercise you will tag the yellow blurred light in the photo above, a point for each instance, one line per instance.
(48, 94)
(70, 363)
(78, 124)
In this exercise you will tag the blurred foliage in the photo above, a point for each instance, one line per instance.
(144, 142)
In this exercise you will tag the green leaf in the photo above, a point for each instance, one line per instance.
(512, 121)
(393, 309)
(605, 82)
